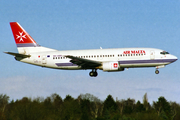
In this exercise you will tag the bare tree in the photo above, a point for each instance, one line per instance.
(96, 104)
(145, 102)
(3, 101)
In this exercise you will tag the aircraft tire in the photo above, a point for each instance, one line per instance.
(157, 71)
(93, 74)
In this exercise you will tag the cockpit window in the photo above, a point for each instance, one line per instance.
(164, 53)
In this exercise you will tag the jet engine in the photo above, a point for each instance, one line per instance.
(111, 66)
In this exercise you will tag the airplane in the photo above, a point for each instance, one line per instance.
(109, 60)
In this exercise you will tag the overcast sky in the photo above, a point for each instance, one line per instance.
(91, 24)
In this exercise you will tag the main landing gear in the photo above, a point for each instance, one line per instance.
(93, 73)
(157, 71)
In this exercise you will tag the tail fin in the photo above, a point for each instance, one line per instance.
(25, 43)
(21, 37)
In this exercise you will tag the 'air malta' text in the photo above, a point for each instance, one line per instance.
(135, 52)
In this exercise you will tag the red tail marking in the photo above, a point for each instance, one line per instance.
(20, 35)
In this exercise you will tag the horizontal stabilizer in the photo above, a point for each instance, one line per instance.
(18, 55)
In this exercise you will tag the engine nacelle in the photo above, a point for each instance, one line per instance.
(111, 66)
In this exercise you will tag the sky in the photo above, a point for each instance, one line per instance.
(91, 24)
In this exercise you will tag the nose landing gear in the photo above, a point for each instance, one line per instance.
(93, 73)
(157, 67)
(157, 71)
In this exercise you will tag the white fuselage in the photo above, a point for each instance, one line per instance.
(126, 57)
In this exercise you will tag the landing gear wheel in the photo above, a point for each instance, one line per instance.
(93, 73)
(157, 71)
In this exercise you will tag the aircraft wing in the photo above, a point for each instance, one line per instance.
(84, 63)
(18, 55)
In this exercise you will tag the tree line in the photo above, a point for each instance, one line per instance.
(86, 107)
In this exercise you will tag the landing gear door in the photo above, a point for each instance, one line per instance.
(152, 55)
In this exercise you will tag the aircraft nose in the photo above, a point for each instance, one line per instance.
(174, 58)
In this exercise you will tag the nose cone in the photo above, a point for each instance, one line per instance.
(174, 58)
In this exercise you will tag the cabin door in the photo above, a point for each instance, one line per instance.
(152, 55)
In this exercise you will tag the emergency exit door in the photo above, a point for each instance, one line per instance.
(44, 60)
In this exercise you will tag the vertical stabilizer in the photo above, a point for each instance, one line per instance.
(25, 43)
(21, 37)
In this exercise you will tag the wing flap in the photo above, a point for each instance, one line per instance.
(84, 63)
